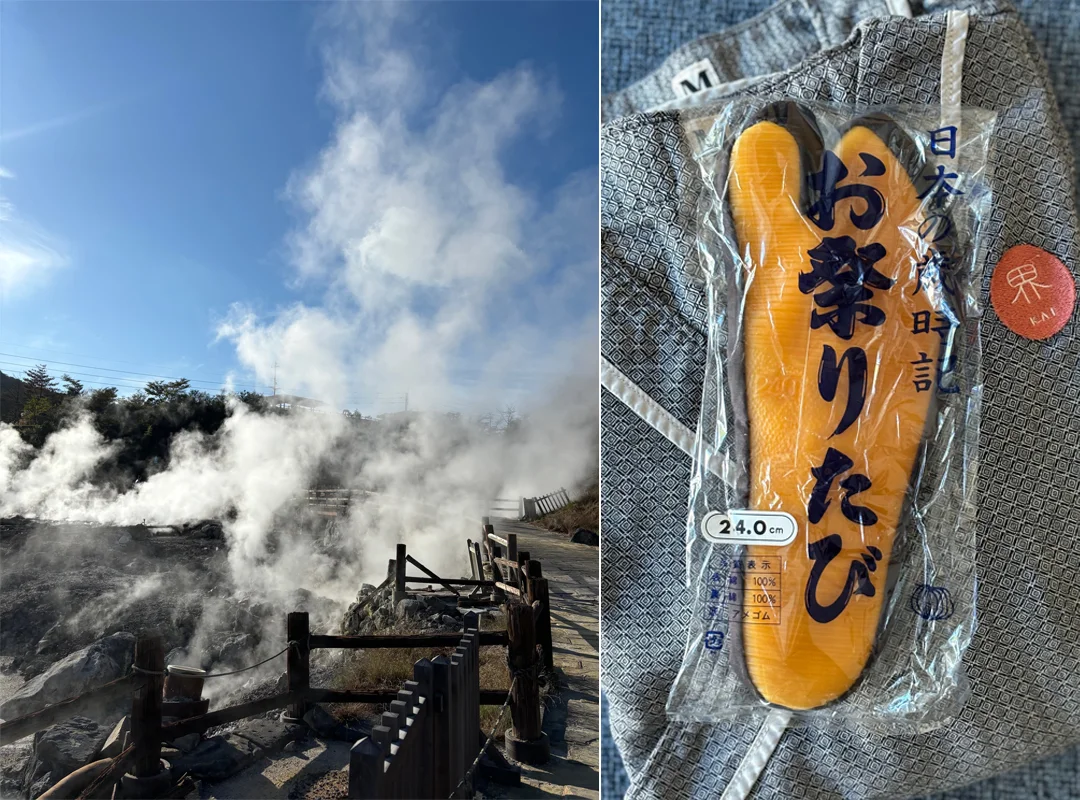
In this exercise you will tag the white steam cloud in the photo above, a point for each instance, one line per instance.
(443, 276)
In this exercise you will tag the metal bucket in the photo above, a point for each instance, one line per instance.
(184, 682)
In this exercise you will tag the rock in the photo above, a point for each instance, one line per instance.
(437, 605)
(324, 725)
(105, 660)
(114, 744)
(236, 648)
(584, 536)
(409, 608)
(53, 638)
(449, 622)
(186, 744)
(269, 735)
(291, 747)
(216, 758)
(207, 529)
(67, 746)
(15, 758)
(365, 590)
(40, 785)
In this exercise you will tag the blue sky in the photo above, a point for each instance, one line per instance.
(182, 190)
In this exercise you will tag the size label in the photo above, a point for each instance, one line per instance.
(774, 528)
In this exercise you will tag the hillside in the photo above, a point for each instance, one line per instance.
(13, 394)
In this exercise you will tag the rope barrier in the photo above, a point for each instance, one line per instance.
(140, 670)
(495, 727)
(532, 672)
(223, 674)
(245, 669)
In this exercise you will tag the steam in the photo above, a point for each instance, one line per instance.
(441, 275)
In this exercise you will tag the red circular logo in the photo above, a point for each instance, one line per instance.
(1032, 292)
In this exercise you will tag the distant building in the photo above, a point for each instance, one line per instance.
(295, 401)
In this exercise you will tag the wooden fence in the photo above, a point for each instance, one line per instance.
(336, 502)
(552, 502)
(426, 745)
(428, 741)
(330, 502)
(506, 507)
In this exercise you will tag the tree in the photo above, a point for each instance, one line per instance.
(101, 399)
(253, 400)
(509, 419)
(39, 382)
(72, 387)
(164, 391)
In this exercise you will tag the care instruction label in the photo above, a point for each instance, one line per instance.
(773, 528)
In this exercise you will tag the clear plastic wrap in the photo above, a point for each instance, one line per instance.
(831, 526)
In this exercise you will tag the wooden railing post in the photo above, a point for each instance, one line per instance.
(146, 705)
(511, 547)
(298, 662)
(474, 567)
(399, 583)
(521, 572)
(479, 560)
(512, 555)
(491, 549)
(147, 779)
(538, 595)
(525, 741)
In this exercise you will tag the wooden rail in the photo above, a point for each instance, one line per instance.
(402, 640)
(446, 584)
(428, 741)
(455, 581)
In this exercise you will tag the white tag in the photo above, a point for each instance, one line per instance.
(698, 76)
(774, 528)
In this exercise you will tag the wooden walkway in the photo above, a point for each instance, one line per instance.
(573, 724)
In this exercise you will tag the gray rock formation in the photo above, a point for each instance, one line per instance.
(103, 661)
(60, 750)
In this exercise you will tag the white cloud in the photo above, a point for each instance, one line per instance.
(28, 255)
(432, 255)
(61, 121)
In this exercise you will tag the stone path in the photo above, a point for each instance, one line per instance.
(272, 778)
(573, 723)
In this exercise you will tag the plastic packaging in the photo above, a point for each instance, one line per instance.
(831, 525)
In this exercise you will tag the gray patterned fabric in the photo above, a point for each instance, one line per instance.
(639, 36)
(776, 39)
(1024, 660)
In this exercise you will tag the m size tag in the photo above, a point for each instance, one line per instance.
(697, 77)
(773, 528)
